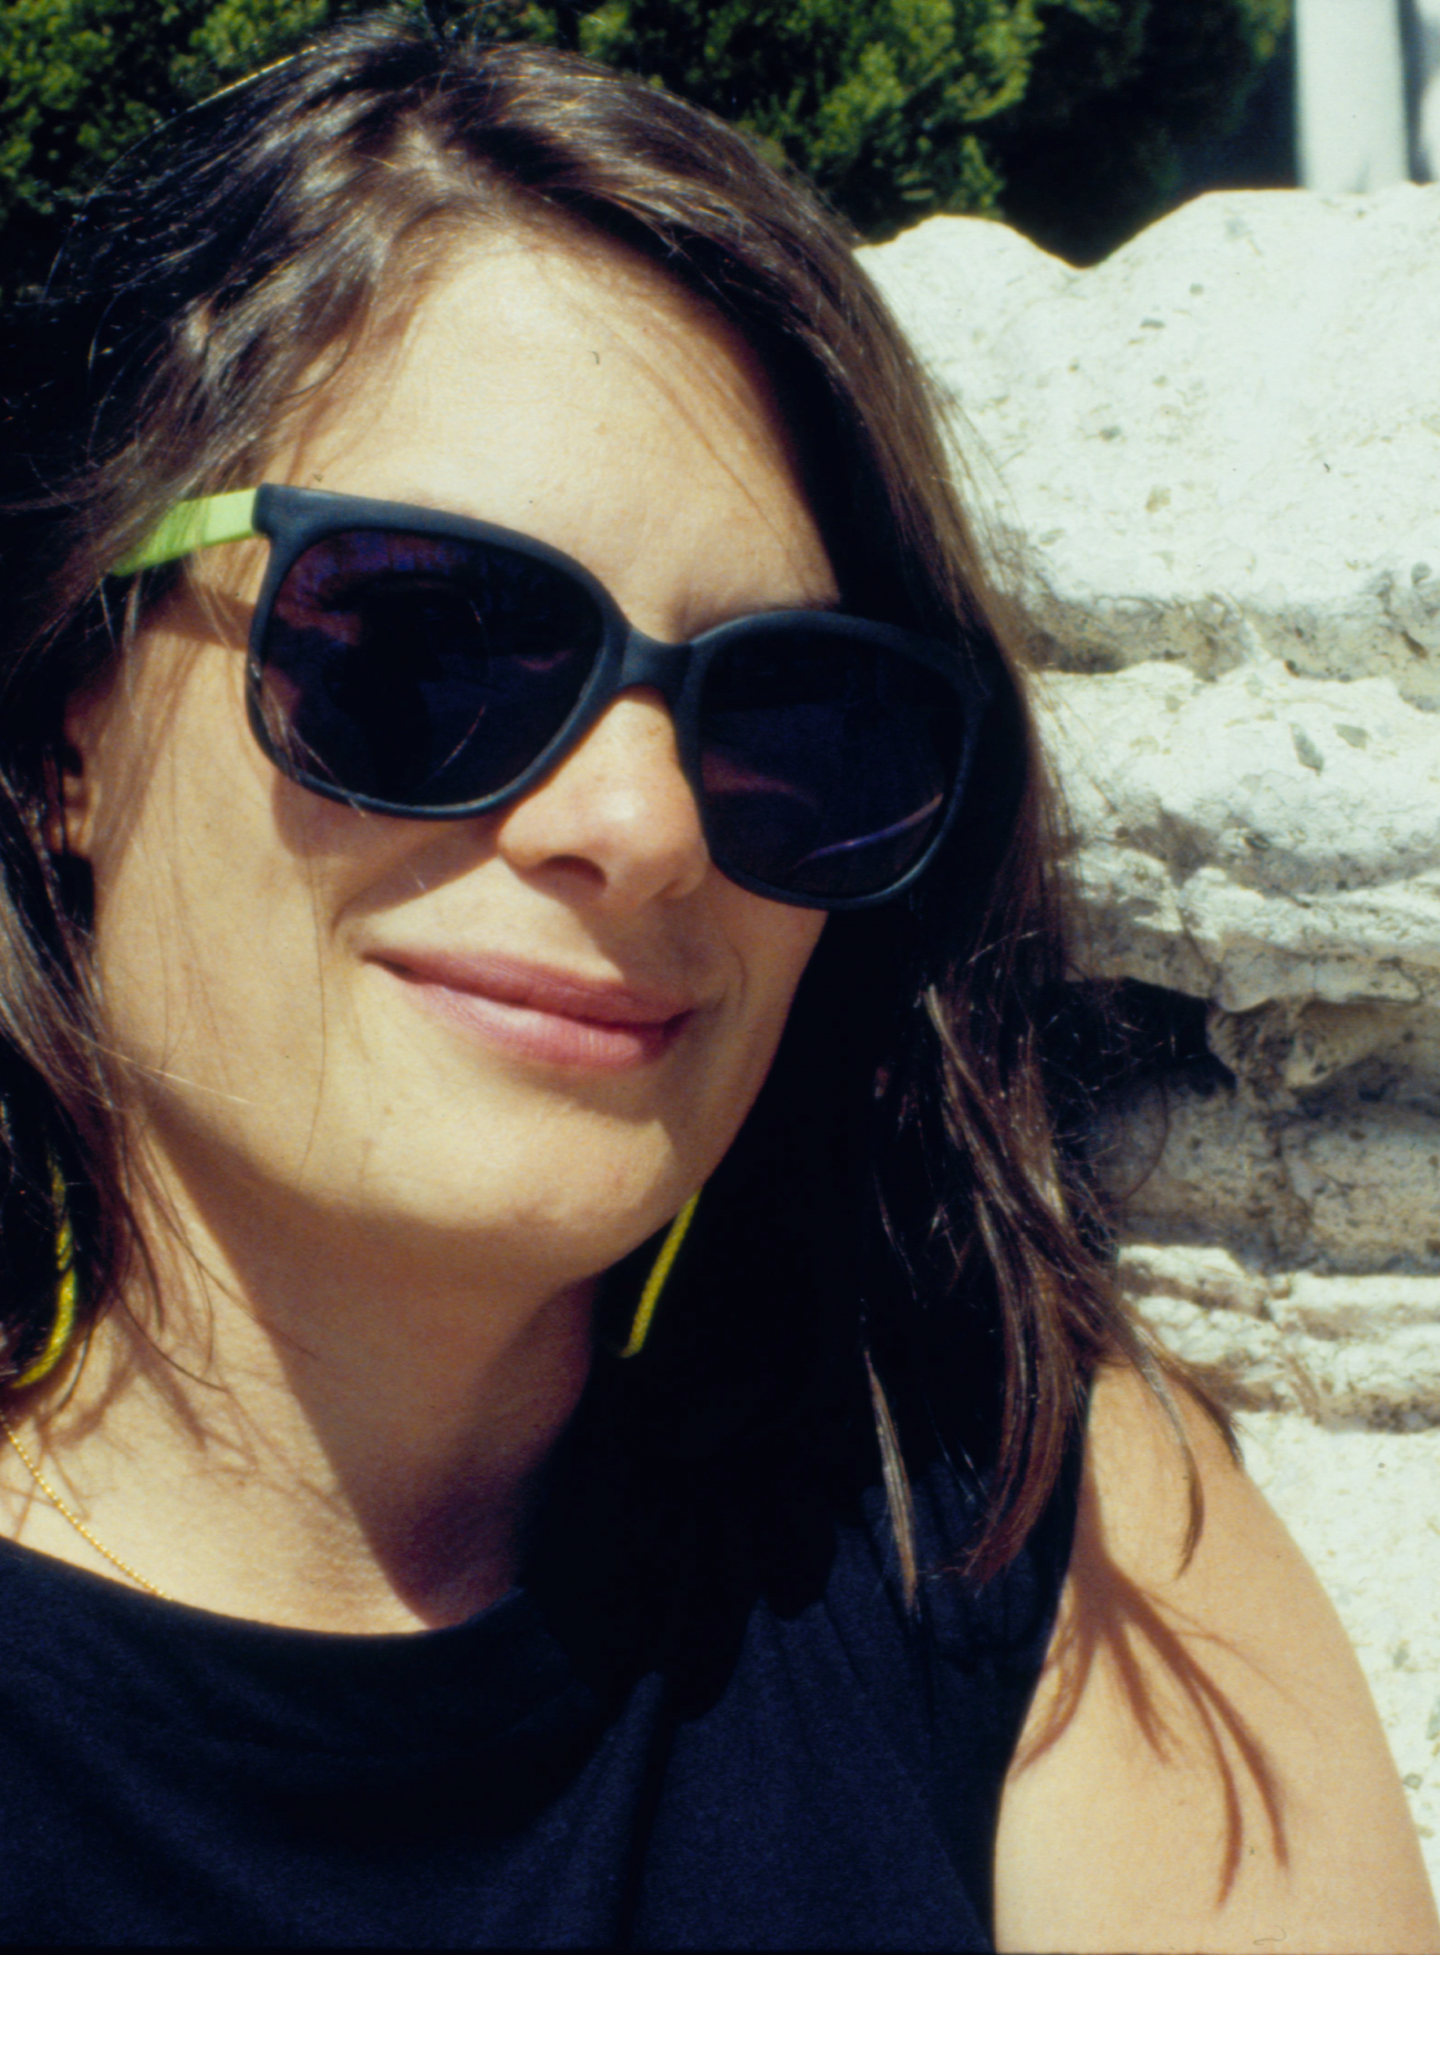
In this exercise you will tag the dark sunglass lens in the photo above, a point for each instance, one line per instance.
(827, 762)
(421, 670)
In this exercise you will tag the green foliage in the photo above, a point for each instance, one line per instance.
(876, 101)
(1117, 90)
(82, 80)
(1065, 116)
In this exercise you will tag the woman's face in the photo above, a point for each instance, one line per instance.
(536, 1031)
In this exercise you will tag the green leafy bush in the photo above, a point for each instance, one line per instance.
(1065, 116)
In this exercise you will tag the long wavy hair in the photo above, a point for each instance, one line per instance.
(904, 1226)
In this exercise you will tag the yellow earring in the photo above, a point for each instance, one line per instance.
(67, 1296)
(659, 1273)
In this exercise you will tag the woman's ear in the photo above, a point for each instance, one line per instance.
(68, 829)
(63, 825)
(70, 812)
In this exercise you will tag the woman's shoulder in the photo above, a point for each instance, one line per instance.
(1202, 1769)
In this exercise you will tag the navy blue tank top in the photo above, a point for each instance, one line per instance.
(783, 1760)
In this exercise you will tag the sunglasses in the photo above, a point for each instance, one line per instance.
(416, 664)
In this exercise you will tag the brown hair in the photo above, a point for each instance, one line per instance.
(907, 1205)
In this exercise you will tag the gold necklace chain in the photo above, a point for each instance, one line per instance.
(75, 1521)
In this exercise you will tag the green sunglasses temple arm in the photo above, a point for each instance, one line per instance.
(195, 523)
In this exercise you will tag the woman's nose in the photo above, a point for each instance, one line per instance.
(617, 815)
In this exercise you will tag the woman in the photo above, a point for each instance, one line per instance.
(432, 1519)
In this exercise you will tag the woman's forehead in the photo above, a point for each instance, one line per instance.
(565, 387)
(550, 321)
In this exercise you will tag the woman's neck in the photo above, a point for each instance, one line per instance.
(323, 1432)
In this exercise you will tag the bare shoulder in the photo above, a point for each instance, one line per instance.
(1202, 1769)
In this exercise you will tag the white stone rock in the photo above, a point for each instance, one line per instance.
(1354, 1349)
(1212, 472)
(1221, 443)
(1202, 1169)
(1370, 1183)
(1256, 837)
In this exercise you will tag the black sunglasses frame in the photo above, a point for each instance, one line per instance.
(294, 519)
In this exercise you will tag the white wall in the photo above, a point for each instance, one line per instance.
(1351, 129)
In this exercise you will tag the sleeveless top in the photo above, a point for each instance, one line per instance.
(795, 1764)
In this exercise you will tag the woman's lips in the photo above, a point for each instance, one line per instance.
(543, 1014)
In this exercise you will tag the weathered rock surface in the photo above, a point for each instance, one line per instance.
(1257, 837)
(1343, 1351)
(1210, 470)
(1221, 444)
